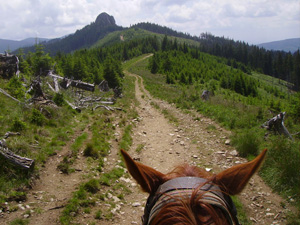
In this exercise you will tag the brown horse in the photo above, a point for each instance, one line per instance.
(190, 195)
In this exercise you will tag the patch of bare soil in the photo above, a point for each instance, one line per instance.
(196, 140)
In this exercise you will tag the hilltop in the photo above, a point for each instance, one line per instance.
(83, 38)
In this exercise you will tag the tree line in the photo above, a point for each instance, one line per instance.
(279, 64)
(89, 65)
(184, 65)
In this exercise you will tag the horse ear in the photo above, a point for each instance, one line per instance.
(148, 178)
(235, 178)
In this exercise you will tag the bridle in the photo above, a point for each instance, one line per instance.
(183, 187)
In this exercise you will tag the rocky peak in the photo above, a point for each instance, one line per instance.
(105, 20)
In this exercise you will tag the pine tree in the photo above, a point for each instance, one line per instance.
(154, 65)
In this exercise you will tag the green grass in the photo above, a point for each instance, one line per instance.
(137, 33)
(169, 116)
(109, 178)
(90, 151)
(242, 216)
(78, 143)
(139, 148)
(126, 140)
(19, 222)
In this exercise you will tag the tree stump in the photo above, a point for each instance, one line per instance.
(277, 124)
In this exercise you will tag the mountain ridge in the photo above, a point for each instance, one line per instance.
(105, 24)
(82, 38)
(286, 45)
(12, 45)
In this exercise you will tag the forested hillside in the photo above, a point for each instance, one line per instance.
(278, 64)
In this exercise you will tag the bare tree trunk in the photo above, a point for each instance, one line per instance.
(56, 84)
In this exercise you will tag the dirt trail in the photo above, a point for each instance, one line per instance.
(52, 190)
(196, 140)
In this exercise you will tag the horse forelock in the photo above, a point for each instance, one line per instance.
(189, 210)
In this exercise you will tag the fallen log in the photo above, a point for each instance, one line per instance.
(74, 83)
(17, 160)
(277, 124)
(109, 108)
(7, 134)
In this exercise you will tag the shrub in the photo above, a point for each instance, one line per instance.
(282, 165)
(18, 125)
(37, 117)
(59, 99)
(247, 143)
(15, 88)
(90, 151)
(98, 215)
(92, 186)
(19, 222)
(64, 166)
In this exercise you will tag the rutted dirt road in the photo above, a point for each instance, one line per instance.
(194, 139)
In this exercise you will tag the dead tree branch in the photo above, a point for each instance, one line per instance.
(5, 93)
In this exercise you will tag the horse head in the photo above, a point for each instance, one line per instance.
(191, 195)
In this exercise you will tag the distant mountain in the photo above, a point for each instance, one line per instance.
(288, 45)
(11, 45)
(83, 38)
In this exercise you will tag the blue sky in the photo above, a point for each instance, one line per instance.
(252, 21)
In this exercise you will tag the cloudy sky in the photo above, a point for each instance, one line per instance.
(252, 21)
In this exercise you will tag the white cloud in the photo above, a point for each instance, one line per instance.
(250, 20)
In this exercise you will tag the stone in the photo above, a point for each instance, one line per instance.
(234, 153)
(136, 204)
(109, 195)
(270, 214)
(127, 180)
(116, 199)
(227, 142)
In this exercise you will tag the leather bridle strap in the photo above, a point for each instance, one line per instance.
(180, 187)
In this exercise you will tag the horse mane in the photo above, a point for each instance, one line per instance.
(189, 210)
